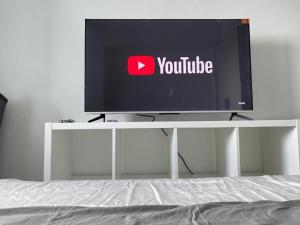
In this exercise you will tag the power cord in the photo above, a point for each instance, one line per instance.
(144, 115)
(186, 166)
(166, 134)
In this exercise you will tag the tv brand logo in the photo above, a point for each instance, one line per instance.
(141, 65)
(145, 66)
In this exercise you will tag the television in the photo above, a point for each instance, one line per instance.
(167, 65)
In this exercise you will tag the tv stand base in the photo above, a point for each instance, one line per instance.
(102, 116)
(235, 114)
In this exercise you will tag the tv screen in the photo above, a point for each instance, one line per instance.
(167, 65)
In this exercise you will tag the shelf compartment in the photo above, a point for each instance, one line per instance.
(81, 154)
(208, 152)
(269, 151)
(141, 153)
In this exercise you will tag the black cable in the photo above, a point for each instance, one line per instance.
(149, 116)
(163, 130)
(165, 133)
(186, 166)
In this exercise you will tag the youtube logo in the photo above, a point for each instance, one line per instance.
(145, 66)
(141, 65)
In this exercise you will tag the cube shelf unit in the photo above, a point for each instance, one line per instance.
(140, 150)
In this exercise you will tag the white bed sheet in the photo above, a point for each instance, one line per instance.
(95, 193)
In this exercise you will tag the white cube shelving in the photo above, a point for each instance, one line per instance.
(133, 150)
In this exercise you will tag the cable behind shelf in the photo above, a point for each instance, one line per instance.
(166, 134)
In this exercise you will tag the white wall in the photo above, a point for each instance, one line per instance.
(42, 63)
(24, 79)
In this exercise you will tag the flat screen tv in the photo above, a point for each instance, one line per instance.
(167, 65)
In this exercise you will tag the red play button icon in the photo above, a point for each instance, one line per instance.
(141, 65)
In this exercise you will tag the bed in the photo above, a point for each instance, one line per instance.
(236, 200)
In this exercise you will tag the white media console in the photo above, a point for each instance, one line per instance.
(130, 150)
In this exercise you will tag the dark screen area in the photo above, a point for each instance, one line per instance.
(109, 87)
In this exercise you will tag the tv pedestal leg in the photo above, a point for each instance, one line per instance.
(102, 116)
(235, 114)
